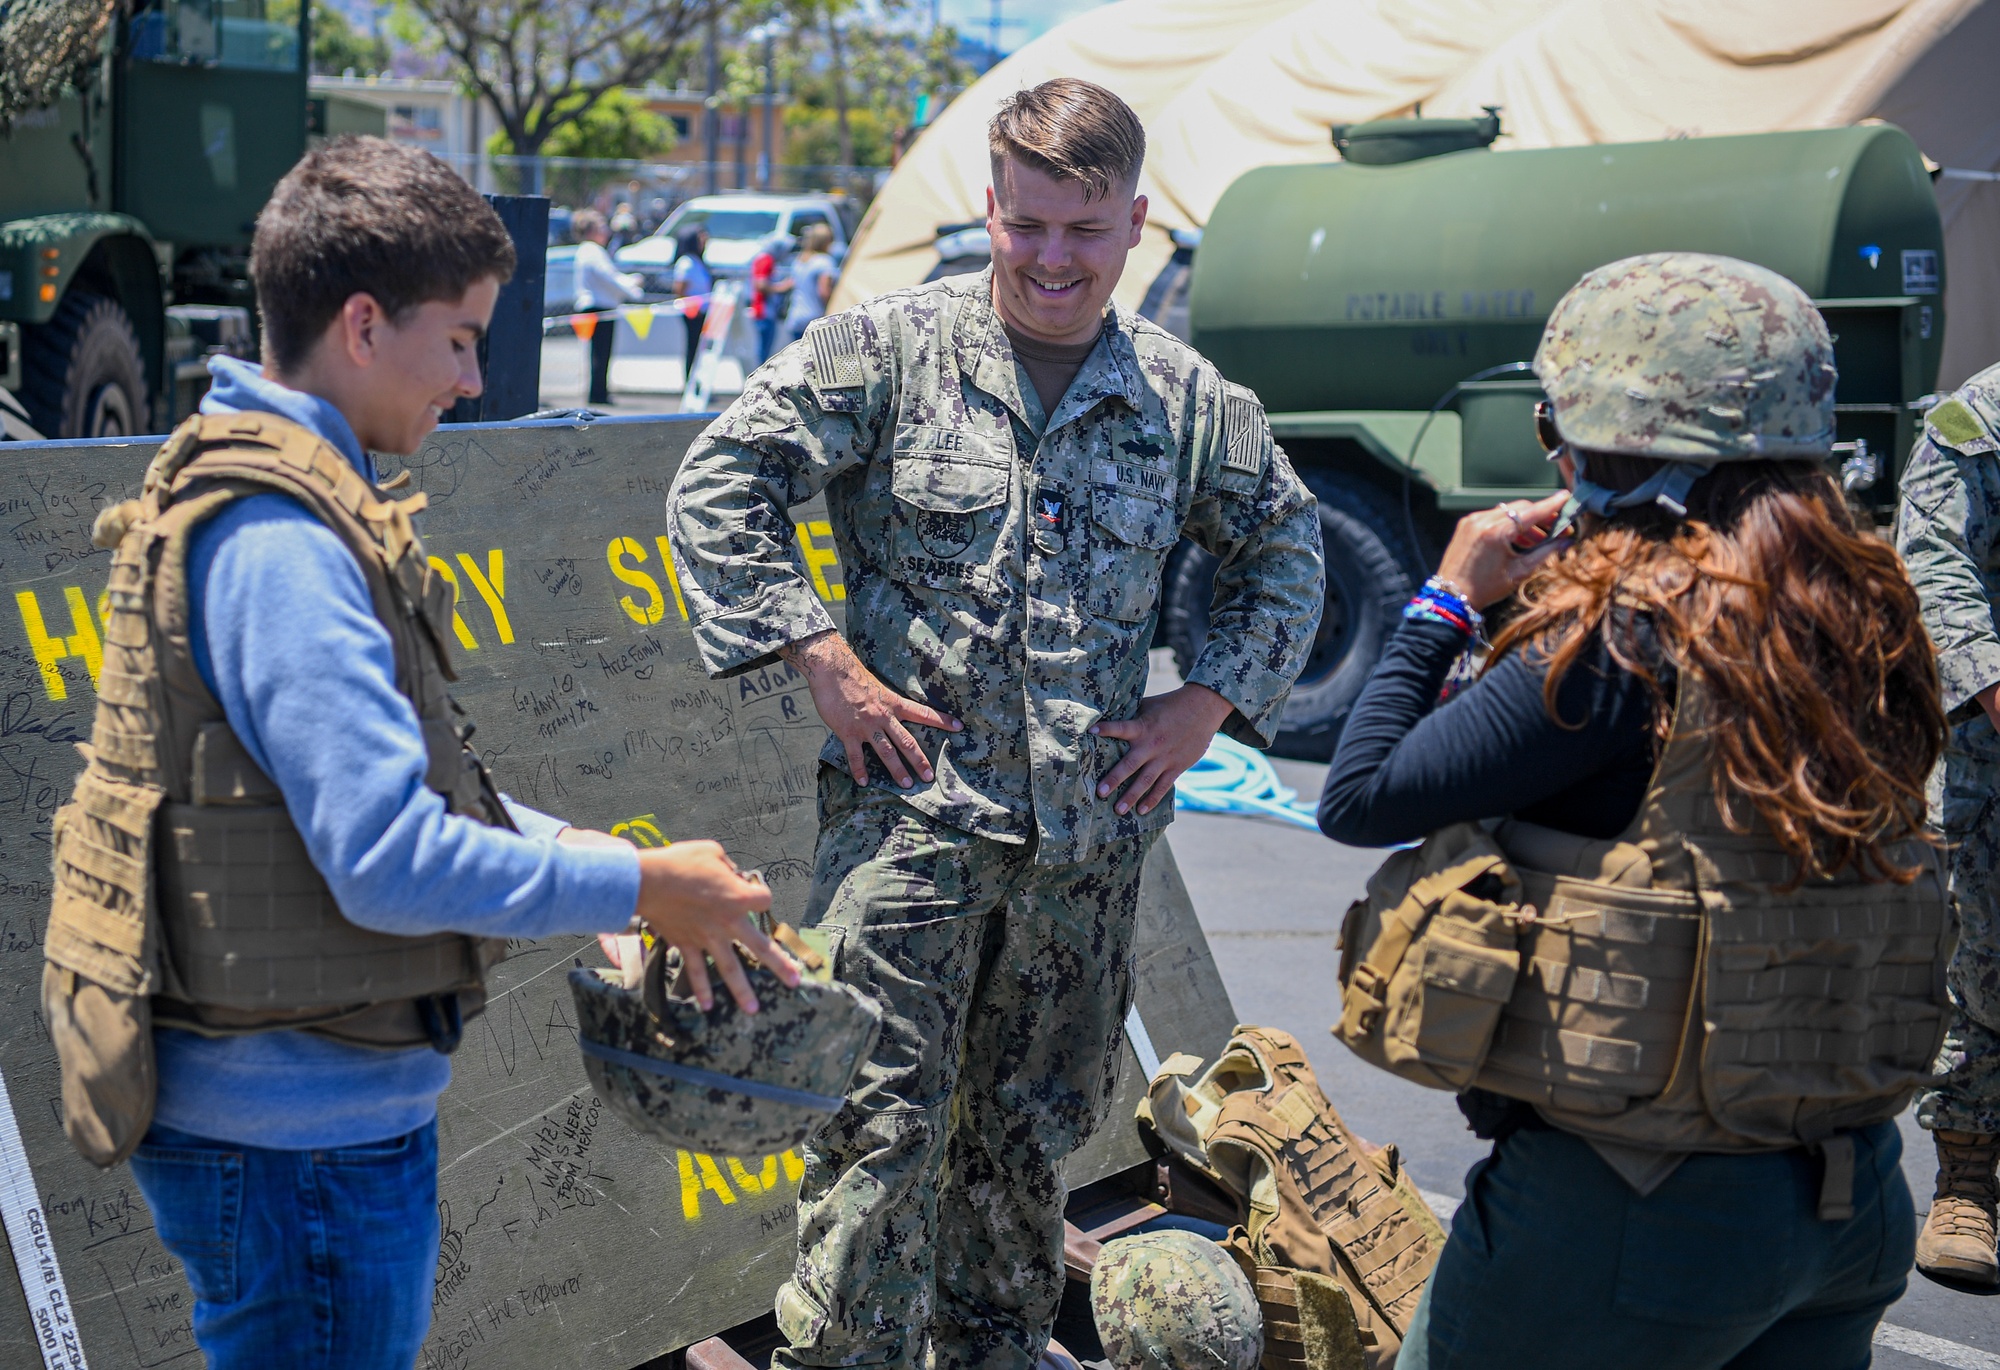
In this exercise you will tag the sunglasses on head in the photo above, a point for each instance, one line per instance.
(1545, 428)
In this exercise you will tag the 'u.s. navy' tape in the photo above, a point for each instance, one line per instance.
(710, 1079)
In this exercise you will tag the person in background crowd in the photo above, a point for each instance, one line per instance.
(655, 215)
(1948, 530)
(770, 291)
(693, 280)
(1709, 717)
(600, 289)
(813, 275)
(624, 225)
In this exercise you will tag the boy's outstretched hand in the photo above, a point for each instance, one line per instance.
(692, 897)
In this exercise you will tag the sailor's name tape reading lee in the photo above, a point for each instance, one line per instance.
(66, 636)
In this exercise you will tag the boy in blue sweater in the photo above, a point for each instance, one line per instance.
(295, 1175)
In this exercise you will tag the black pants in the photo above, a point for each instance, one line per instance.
(600, 356)
(694, 327)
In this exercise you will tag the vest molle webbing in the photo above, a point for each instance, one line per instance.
(1662, 990)
(1320, 1204)
(184, 895)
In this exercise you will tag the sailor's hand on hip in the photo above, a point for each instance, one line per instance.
(863, 712)
(692, 897)
(1170, 734)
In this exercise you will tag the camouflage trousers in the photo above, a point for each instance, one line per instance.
(931, 1216)
(1966, 1094)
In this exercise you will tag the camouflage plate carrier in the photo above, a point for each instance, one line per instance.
(184, 895)
(1336, 1239)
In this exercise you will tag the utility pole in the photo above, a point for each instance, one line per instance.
(711, 112)
(770, 98)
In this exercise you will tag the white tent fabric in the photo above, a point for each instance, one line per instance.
(1223, 87)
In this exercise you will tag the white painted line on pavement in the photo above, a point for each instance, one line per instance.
(1922, 1345)
(1936, 1350)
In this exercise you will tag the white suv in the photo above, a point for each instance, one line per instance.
(736, 224)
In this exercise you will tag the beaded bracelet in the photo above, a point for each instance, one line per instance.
(1440, 602)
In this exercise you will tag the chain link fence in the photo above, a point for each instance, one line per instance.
(654, 189)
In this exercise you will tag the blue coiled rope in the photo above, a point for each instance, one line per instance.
(1233, 778)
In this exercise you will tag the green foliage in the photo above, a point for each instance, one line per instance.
(337, 46)
(812, 137)
(616, 127)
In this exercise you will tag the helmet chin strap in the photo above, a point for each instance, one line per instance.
(1668, 487)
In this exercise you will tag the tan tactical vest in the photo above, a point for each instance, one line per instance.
(1660, 990)
(1326, 1214)
(184, 895)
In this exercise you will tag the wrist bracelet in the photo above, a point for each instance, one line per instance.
(1439, 594)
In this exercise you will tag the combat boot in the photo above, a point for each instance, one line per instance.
(1958, 1237)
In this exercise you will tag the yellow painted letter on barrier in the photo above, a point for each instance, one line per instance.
(698, 1172)
(795, 1166)
(465, 638)
(673, 576)
(754, 1184)
(83, 643)
(643, 831)
(818, 558)
(492, 588)
(655, 607)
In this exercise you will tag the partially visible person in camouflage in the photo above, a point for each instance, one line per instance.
(1007, 462)
(1948, 530)
(1174, 1301)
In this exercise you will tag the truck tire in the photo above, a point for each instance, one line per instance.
(81, 372)
(1371, 572)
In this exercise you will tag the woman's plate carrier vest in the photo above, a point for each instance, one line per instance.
(1663, 990)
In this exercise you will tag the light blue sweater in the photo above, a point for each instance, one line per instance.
(284, 634)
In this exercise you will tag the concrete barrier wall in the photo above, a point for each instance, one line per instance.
(567, 1240)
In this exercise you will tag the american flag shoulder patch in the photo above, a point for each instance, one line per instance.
(836, 353)
(1243, 430)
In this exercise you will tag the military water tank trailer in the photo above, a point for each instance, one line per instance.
(1385, 307)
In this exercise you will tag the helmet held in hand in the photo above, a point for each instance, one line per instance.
(722, 1081)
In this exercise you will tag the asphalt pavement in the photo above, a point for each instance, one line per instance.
(1270, 899)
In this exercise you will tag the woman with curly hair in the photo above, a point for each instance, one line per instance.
(1698, 750)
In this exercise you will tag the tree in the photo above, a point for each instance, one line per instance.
(543, 64)
(854, 76)
(617, 127)
(336, 45)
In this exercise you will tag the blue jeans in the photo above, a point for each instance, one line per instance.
(313, 1260)
(1555, 1263)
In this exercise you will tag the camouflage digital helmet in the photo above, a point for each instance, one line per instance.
(1173, 1301)
(1691, 357)
(722, 1082)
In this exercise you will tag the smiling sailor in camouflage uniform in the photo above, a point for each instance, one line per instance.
(1948, 530)
(1007, 465)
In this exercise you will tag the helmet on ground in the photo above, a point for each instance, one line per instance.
(1690, 357)
(1174, 1301)
(722, 1082)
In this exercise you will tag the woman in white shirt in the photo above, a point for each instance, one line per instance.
(813, 273)
(600, 289)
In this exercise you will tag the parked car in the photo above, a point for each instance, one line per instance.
(736, 225)
(559, 286)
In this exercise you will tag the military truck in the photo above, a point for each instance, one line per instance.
(133, 161)
(1386, 306)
